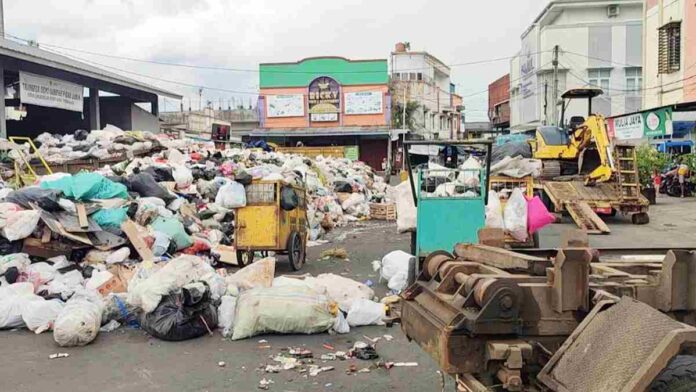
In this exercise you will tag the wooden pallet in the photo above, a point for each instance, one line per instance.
(586, 218)
(383, 211)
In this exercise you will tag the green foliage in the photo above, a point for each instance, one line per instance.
(398, 113)
(649, 160)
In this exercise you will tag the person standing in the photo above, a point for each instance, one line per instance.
(682, 174)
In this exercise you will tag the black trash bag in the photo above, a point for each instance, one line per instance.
(80, 135)
(11, 275)
(161, 174)
(342, 186)
(47, 199)
(288, 198)
(146, 186)
(197, 173)
(184, 315)
(210, 174)
(243, 178)
(8, 247)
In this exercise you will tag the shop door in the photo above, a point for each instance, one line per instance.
(373, 151)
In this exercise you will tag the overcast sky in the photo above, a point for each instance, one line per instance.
(242, 34)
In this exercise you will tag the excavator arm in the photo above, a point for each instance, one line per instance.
(594, 129)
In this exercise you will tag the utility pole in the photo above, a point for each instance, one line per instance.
(200, 99)
(403, 121)
(554, 119)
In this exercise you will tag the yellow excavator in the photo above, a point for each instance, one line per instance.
(562, 150)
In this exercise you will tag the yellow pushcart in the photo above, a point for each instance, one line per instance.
(274, 219)
(504, 185)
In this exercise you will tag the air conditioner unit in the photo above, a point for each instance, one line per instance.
(613, 10)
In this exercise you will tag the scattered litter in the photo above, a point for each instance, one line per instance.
(58, 355)
(388, 338)
(336, 253)
(110, 326)
(222, 364)
(314, 370)
(265, 384)
(328, 346)
(364, 351)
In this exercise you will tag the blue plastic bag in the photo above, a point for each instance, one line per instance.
(87, 186)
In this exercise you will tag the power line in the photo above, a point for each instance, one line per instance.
(218, 68)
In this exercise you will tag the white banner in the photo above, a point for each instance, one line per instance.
(364, 102)
(285, 105)
(49, 92)
(628, 127)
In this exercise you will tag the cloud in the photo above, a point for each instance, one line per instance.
(242, 34)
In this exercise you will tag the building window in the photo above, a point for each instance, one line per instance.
(634, 79)
(413, 76)
(669, 49)
(419, 76)
(397, 76)
(599, 78)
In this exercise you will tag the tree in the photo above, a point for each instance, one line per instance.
(398, 115)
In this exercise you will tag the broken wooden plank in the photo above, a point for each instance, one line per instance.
(586, 218)
(46, 235)
(501, 258)
(82, 215)
(103, 240)
(34, 247)
(131, 230)
(71, 223)
(55, 226)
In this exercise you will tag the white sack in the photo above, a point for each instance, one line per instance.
(39, 316)
(79, 321)
(515, 215)
(20, 224)
(341, 290)
(183, 176)
(494, 211)
(11, 308)
(394, 269)
(365, 312)
(231, 195)
(226, 313)
(405, 208)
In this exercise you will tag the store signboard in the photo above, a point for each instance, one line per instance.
(49, 92)
(649, 123)
(364, 102)
(324, 96)
(323, 117)
(285, 105)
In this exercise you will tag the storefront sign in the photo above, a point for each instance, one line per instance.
(285, 105)
(323, 117)
(364, 102)
(324, 96)
(48, 92)
(649, 123)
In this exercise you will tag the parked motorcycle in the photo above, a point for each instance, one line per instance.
(670, 186)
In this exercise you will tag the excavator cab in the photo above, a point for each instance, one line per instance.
(562, 148)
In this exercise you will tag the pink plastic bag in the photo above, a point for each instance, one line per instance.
(537, 215)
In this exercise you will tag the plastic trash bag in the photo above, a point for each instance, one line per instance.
(79, 321)
(394, 269)
(366, 312)
(39, 316)
(341, 324)
(405, 208)
(160, 173)
(537, 215)
(243, 178)
(110, 217)
(46, 199)
(226, 312)
(182, 176)
(145, 185)
(20, 224)
(231, 195)
(494, 211)
(288, 198)
(282, 310)
(341, 290)
(183, 315)
(12, 306)
(87, 186)
(148, 286)
(175, 230)
(515, 215)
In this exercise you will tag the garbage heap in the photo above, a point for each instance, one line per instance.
(134, 243)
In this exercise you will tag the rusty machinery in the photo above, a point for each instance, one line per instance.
(489, 316)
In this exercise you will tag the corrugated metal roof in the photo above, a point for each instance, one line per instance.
(50, 59)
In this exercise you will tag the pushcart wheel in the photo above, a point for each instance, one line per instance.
(244, 258)
(296, 251)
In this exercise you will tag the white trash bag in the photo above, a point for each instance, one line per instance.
(231, 195)
(20, 224)
(394, 269)
(405, 208)
(79, 321)
(39, 316)
(494, 211)
(515, 215)
(226, 313)
(182, 176)
(366, 312)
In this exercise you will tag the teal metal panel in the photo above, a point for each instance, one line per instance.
(443, 222)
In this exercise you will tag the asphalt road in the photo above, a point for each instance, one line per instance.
(130, 360)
